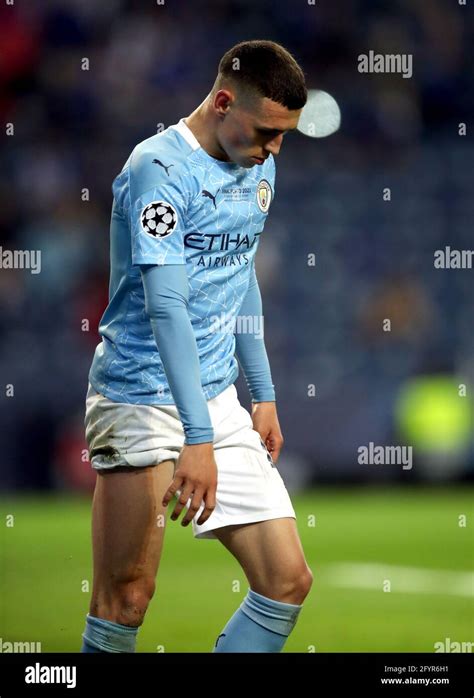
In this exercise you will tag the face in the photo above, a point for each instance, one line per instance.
(249, 131)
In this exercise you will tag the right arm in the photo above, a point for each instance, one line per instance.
(166, 304)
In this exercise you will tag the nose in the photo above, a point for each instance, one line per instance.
(274, 145)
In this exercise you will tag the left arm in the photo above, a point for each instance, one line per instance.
(252, 356)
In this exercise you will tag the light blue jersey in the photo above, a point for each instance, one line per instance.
(176, 204)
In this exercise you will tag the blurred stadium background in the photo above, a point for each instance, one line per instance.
(360, 524)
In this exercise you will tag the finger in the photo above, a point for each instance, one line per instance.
(193, 508)
(171, 491)
(275, 448)
(183, 498)
(209, 505)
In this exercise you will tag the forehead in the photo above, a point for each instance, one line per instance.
(272, 115)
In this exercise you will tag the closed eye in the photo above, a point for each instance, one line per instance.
(274, 131)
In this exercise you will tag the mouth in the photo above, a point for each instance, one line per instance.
(259, 161)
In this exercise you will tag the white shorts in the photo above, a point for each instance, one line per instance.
(249, 486)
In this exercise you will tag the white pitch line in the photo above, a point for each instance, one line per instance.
(411, 580)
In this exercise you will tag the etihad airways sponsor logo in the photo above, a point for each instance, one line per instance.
(220, 242)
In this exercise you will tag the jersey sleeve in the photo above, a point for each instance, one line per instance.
(166, 304)
(250, 347)
(157, 212)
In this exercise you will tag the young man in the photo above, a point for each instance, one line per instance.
(162, 412)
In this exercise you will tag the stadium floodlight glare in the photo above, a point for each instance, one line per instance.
(321, 115)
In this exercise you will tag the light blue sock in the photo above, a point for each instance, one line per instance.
(106, 636)
(259, 625)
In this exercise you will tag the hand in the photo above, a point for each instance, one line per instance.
(196, 477)
(265, 421)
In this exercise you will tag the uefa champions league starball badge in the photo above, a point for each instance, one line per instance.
(158, 219)
(264, 195)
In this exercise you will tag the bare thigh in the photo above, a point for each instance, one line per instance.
(271, 555)
(128, 527)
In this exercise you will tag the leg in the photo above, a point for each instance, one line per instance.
(271, 555)
(128, 525)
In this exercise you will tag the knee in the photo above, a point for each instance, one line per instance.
(124, 602)
(300, 585)
(133, 600)
(293, 588)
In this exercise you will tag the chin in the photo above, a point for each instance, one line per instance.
(250, 162)
(244, 161)
(246, 164)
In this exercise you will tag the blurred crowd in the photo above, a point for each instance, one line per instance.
(81, 82)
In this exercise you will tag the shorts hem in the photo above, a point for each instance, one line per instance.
(136, 460)
(236, 520)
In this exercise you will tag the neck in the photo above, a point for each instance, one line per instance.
(203, 124)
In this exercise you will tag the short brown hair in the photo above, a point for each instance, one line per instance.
(267, 69)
